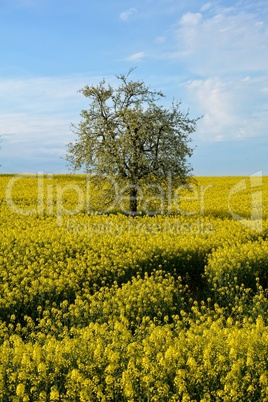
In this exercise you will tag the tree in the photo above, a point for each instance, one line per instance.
(125, 133)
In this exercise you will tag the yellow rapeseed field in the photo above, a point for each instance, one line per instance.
(168, 305)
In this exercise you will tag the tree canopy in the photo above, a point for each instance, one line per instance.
(126, 133)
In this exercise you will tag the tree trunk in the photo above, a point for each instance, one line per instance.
(133, 199)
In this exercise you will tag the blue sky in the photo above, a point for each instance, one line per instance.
(213, 56)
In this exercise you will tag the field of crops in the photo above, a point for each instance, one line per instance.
(96, 305)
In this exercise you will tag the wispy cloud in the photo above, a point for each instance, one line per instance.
(36, 115)
(226, 40)
(124, 16)
(206, 6)
(160, 39)
(232, 109)
(41, 95)
(226, 50)
(136, 56)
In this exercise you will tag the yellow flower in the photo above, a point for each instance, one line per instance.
(54, 394)
(20, 390)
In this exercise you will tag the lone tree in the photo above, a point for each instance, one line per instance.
(125, 133)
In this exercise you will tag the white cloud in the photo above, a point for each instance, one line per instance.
(206, 7)
(136, 56)
(226, 41)
(189, 19)
(214, 99)
(36, 115)
(124, 16)
(160, 40)
(227, 49)
(42, 95)
(232, 109)
(23, 127)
